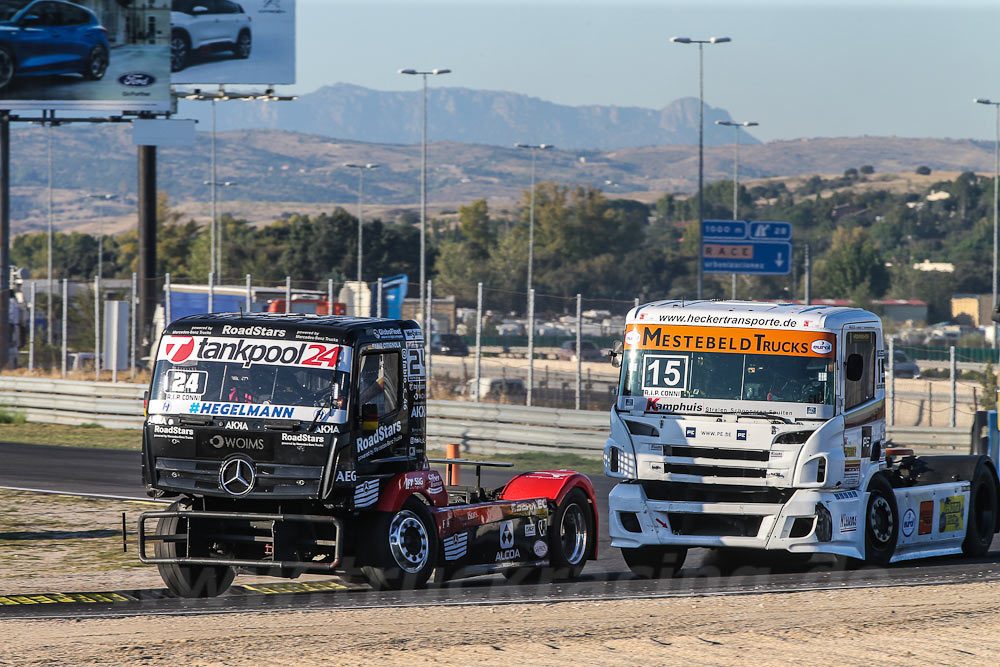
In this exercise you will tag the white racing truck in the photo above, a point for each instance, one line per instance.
(762, 426)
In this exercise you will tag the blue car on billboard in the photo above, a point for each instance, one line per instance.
(43, 37)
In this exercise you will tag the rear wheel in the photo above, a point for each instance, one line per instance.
(570, 536)
(404, 548)
(982, 512)
(243, 45)
(569, 543)
(180, 51)
(6, 68)
(655, 562)
(188, 581)
(97, 63)
(881, 523)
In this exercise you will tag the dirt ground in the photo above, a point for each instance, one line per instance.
(957, 624)
(62, 544)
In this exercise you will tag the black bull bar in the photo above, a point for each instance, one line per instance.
(238, 562)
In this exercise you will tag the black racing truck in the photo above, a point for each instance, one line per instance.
(294, 444)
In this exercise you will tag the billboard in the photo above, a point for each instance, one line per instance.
(232, 41)
(109, 55)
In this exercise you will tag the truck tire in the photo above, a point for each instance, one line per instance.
(571, 536)
(881, 522)
(655, 562)
(982, 512)
(188, 581)
(402, 550)
(570, 543)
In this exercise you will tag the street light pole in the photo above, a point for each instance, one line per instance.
(531, 209)
(215, 262)
(361, 189)
(423, 193)
(701, 136)
(996, 203)
(48, 261)
(736, 171)
(100, 236)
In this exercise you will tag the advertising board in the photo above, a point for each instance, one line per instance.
(85, 55)
(232, 41)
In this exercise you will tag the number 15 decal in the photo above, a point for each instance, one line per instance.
(663, 371)
(415, 362)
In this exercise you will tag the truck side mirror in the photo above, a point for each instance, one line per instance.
(854, 367)
(615, 353)
(369, 417)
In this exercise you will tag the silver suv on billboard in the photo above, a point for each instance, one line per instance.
(207, 26)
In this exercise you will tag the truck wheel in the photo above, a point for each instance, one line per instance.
(188, 581)
(571, 536)
(655, 562)
(881, 523)
(982, 513)
(403, 549)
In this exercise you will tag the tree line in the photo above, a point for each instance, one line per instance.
(863, 242)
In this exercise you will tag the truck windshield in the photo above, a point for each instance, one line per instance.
(261, 384)
(727, 376)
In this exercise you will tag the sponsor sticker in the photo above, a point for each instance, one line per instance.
(219, 444)
(731, 340)
(741, 434)
(848, 523)
(690, 432)
(925, 522)
(846, 495)
(951, 514)
(850, 452)
(632, 337)
(250, 351)
(909, 522)
(384, 436)
(540, 548)
(852, 471)
(529, 529)
(303, 439)
(173, 432)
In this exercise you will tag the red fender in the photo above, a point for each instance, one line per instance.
(398, 488)
(553, 485)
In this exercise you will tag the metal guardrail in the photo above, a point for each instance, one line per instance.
(481, 426)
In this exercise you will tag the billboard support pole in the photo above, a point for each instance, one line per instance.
(147, 242)
(4, 238)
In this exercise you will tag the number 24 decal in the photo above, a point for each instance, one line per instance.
(324, 356)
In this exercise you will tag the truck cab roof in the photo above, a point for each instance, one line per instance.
(759, 314)
(347, 330)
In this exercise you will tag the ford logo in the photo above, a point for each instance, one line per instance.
(137, 79)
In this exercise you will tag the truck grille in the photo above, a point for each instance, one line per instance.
(714, 471)
(274, 480)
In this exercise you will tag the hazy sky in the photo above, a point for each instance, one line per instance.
(812, 68)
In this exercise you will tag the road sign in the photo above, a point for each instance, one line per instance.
(738, 246)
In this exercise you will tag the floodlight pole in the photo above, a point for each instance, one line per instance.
(361, 189)
(424, 314)
(701, 139)
(736, 171)
(996, 203)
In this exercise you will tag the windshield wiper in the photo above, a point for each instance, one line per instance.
(768, 415)
(329, 407)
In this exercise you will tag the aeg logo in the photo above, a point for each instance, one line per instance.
(178, 348)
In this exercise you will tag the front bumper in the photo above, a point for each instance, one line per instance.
(796, 525)
(247, 540)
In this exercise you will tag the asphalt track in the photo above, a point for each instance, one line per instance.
(115, 473)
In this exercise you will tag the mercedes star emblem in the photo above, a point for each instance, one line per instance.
(237, 476)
